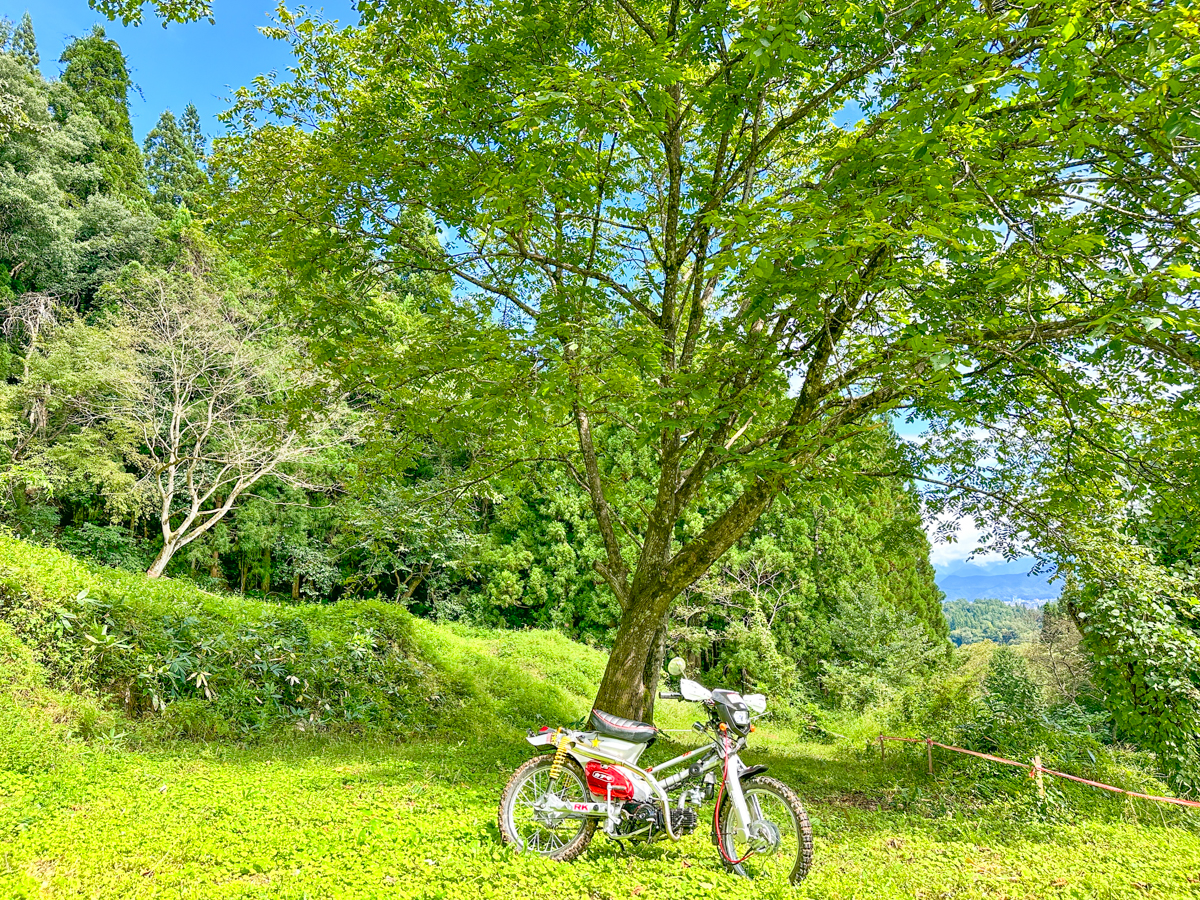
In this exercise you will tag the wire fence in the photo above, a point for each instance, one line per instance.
(1036, 770)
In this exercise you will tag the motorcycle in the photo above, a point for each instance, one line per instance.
(553, 804)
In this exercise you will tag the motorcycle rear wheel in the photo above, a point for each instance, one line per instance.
(518, 824)
(774, 801)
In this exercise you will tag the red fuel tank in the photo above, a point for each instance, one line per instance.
(600, 777)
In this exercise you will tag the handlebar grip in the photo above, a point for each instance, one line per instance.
(669, 695)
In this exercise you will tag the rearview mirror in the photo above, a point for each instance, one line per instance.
(756, 702)
(677, 666)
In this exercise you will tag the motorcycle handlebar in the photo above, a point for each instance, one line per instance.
(670, 695)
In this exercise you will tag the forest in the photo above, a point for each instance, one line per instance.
(990, 620)
(493, 354)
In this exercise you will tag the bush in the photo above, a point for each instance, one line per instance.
(996, 699)
(109, 545)
(1010, 695)
(36, 721)
(949, 695)
(881, 651)
(194, 719)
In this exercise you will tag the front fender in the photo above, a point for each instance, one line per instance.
(751, 771)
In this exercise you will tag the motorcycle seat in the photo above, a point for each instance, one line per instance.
(623, 729)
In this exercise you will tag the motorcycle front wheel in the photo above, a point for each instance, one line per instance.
(784, 852)
(529, 794)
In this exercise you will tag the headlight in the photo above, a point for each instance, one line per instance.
(741, 718)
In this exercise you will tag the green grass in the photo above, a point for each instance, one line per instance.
(97, 803)
(355, 818)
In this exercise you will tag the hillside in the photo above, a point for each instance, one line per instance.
(204, 665)
(101, 798)
(463, 365)
(972, 621)
(1010, 582)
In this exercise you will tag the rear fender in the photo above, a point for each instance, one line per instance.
(542, 738)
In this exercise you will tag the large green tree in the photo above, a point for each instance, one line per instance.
(61, 232)
(209, 400)
(739, 232)
(38, 169)
(97, 73)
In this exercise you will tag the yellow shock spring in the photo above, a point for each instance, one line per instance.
(560, 755)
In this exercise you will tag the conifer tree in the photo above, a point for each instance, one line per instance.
(24, 44)
(189, 122)
(172, 168)
(98, 75)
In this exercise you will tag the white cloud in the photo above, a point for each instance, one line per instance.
(967, 539)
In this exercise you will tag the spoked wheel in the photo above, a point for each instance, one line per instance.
(531, 813)
(781, 850)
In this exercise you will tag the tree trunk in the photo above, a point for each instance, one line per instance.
(296, 587)
(631, 676)
(19, 498)
(160, 562)
(214, 569)
(654, 665)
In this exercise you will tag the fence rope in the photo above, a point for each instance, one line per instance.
(1035, 768)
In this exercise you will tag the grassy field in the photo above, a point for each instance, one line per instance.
(97, 804)
(314, 819)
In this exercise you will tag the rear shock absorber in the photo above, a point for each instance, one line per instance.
(560, 756)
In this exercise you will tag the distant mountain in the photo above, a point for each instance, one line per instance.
(1007, 581)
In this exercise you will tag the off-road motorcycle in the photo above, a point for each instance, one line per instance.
(554, 803)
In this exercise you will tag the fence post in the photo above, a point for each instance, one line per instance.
(929, 753)
(1037, 773)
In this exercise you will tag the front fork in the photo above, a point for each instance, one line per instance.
(733, 787)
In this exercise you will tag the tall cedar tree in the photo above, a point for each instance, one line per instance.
(98, 74)
(189, 123)
(24, 44)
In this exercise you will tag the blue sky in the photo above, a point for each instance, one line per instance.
(180, 64)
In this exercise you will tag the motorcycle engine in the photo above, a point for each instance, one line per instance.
(639, 814)
(684, 821)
